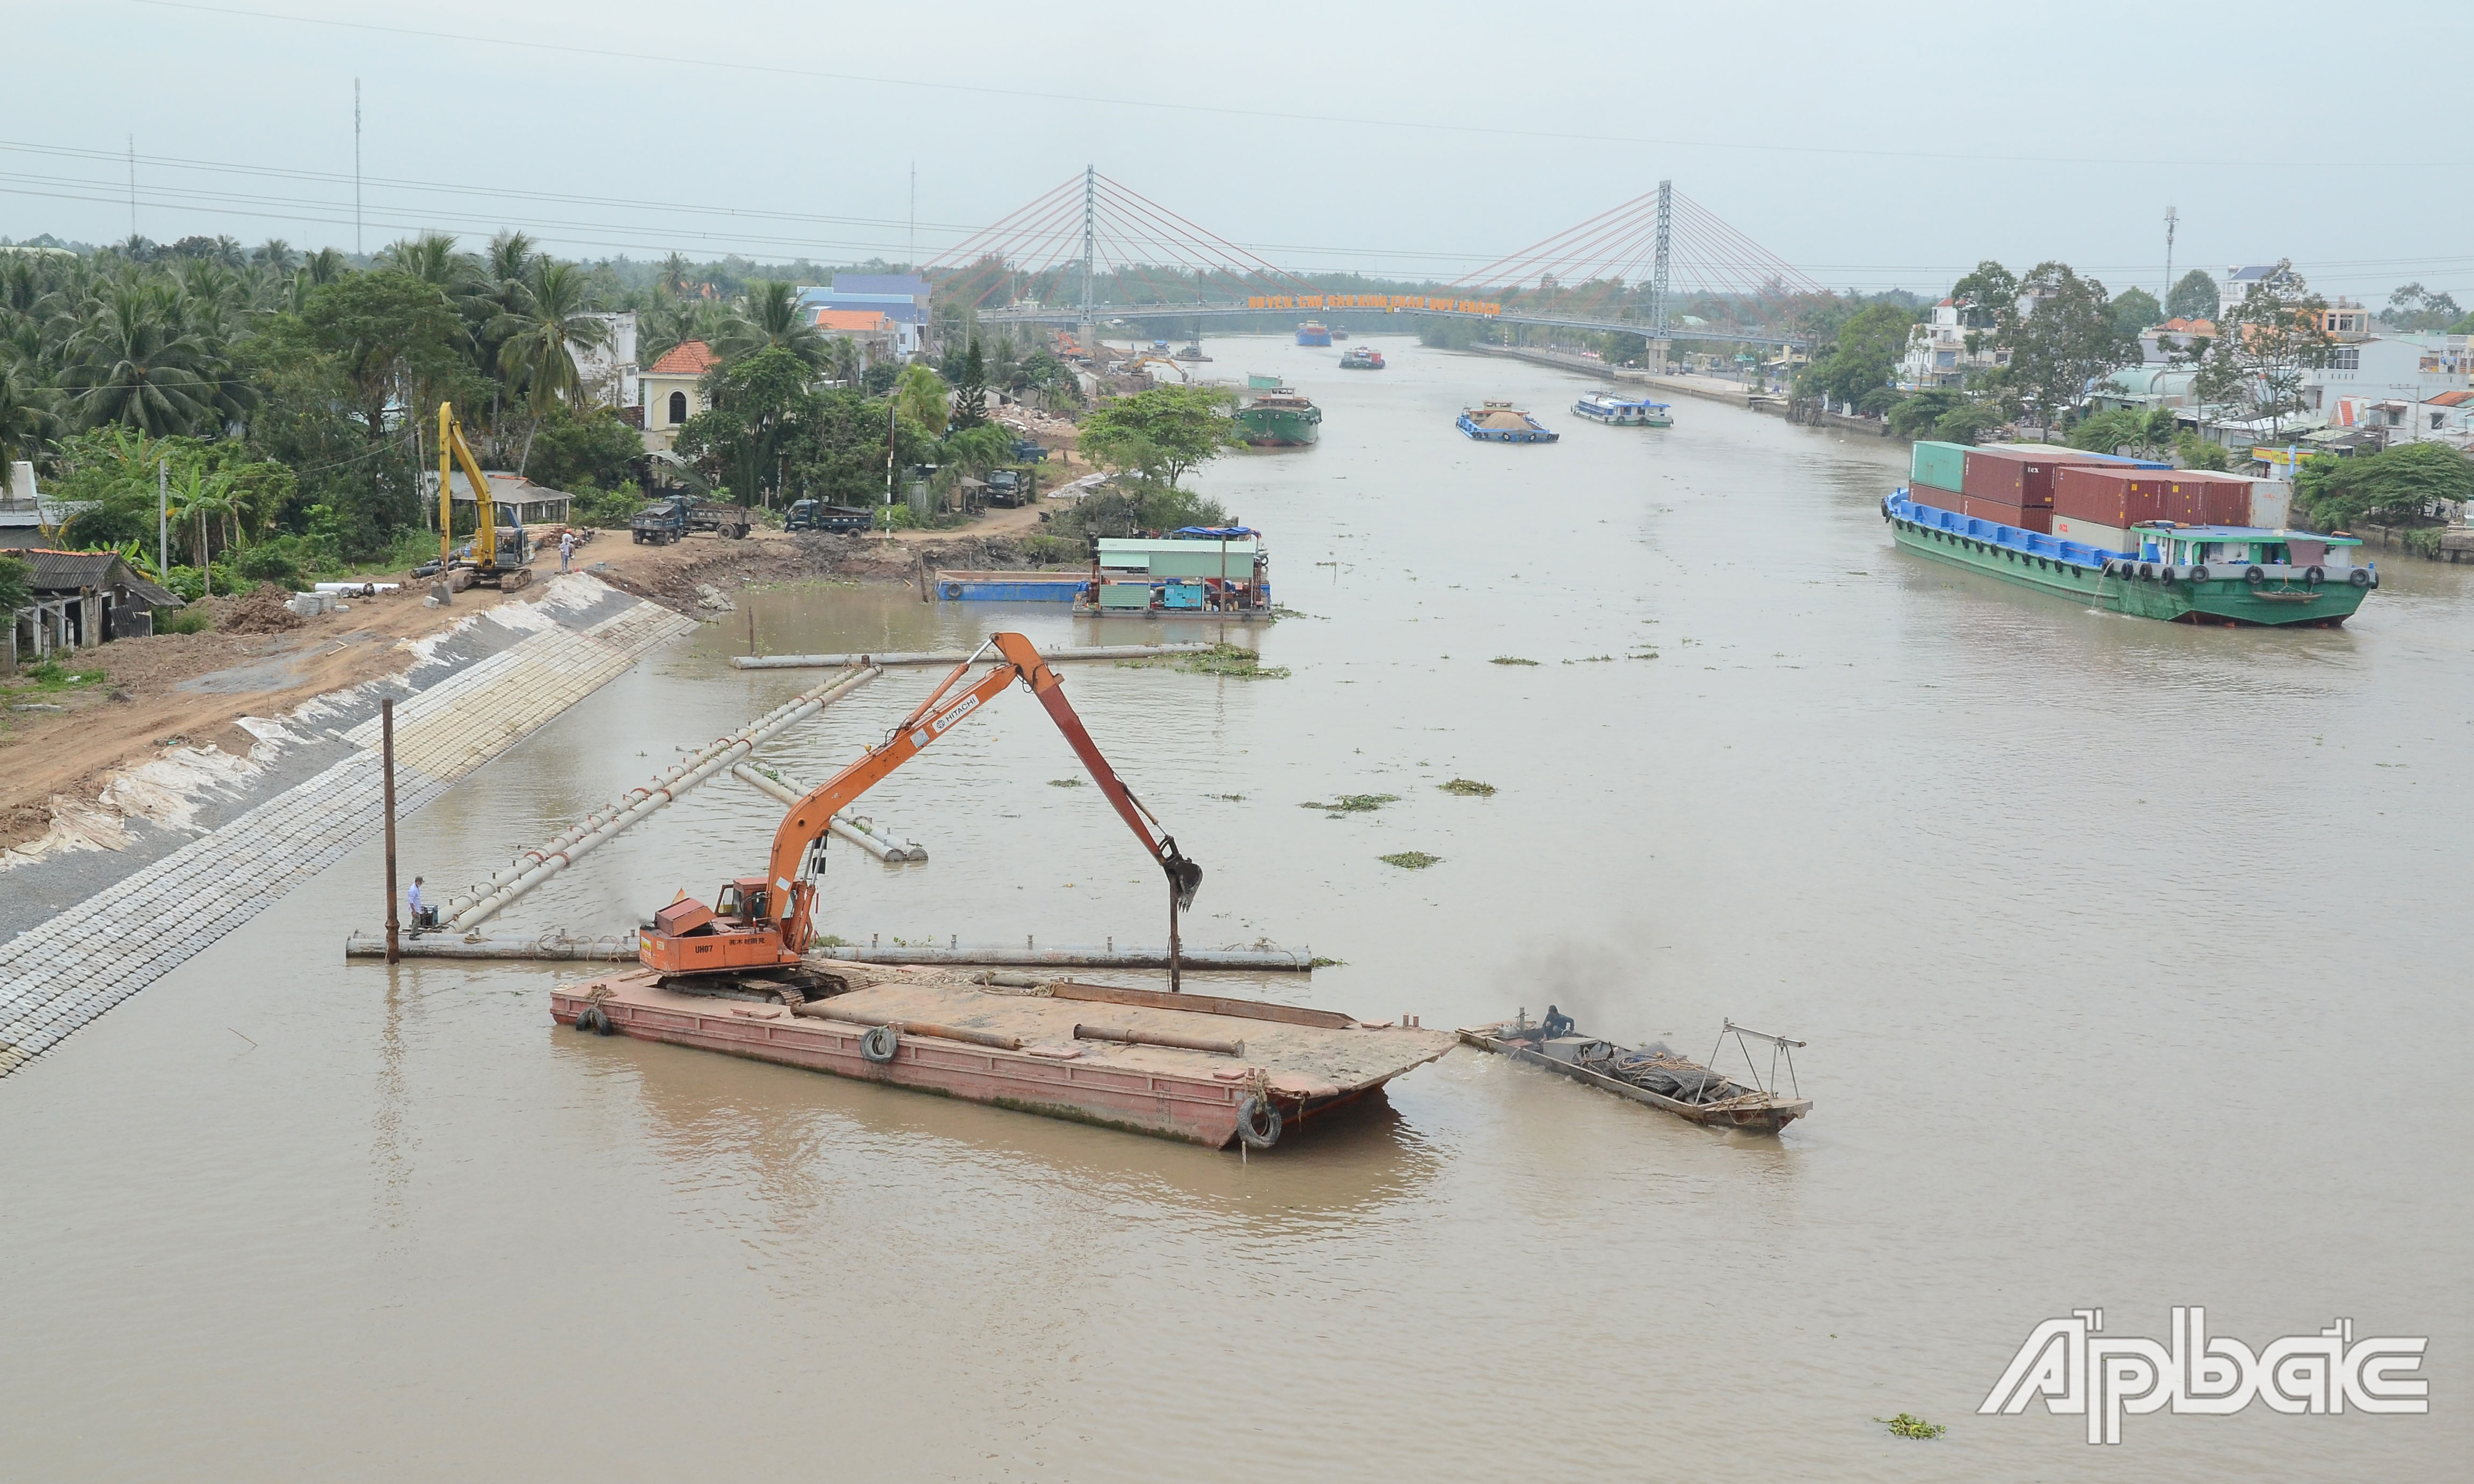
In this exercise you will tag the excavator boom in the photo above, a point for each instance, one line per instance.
(771, 923)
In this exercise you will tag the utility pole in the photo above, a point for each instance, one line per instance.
(2172, 219)
(163, 517)
(914, 214)
(356, 167)
(133, 189)
(386, 747)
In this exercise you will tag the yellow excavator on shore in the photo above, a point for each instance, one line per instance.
(497, 555)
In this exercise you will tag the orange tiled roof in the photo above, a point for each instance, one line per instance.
(693, 359)
(863, 321)
(2451, 399)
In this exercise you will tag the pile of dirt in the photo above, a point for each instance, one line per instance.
(262, 610)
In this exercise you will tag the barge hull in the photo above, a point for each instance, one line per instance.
(1178, 1094)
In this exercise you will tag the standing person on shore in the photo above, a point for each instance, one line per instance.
(565, 547)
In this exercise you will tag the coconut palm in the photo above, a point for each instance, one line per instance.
(274, 256)
(553, 321)
(135, 361)
(26, 415)
(672, 282)
(772, 317)
(197, 497)
(432, 258)
(920, 396)
(325, 266)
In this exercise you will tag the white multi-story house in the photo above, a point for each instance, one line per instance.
(1937, 353)
(2359, 372)
(608, 370)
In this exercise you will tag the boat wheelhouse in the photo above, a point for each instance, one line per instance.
(1197, 571)
(1625, 412)
(1500, 421)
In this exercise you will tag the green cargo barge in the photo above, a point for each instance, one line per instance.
(1276, 417)
(2241, 575)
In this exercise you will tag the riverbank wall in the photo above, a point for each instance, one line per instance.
(92, 928)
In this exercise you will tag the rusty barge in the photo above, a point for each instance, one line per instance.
(1653, 1073)
(1187, 1066)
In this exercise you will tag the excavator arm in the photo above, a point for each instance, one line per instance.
(454, 451)
(688, 938)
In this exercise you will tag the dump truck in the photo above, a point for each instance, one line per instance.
(810, 515)
(666, 520)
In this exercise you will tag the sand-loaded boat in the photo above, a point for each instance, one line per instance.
(1500, 421)
(1654, 1075)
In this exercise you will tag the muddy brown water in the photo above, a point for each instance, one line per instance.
(2130, 958)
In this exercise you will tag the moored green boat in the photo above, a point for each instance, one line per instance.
(2181, 574)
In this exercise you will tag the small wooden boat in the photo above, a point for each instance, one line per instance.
(1657, 1075)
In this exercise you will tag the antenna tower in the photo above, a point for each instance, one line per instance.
(2172, 219)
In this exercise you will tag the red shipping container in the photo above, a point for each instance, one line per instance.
(2110, 496)
(1938, 499)
(2026, 518)
(2207, 502)
(2023, 478)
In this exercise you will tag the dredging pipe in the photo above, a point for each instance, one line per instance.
(1270, 960)
(826, 1009)
(860, 829)
(536, 867)
(957, 656)
(544, 949)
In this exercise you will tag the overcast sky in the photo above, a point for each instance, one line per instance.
(1891, 144)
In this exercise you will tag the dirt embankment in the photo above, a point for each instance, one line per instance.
(263, 660)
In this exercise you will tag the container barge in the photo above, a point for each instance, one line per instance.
(2181, 546)
(1196, 1068)
(1313, 333)
(1361, 358)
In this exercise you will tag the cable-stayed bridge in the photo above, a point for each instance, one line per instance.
(1092, 250)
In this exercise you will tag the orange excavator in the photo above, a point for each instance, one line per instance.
(765, 923)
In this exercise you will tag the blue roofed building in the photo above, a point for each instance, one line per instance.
(900, 296)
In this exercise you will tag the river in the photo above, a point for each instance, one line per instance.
(2122, 952)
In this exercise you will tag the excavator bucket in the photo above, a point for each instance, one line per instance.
(1182, 874)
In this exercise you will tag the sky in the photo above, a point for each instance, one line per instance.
(1889, 145)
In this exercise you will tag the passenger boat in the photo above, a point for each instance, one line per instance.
(1361, 358)
(1500, 421)
(1279, 419)
(1624, 411)
(1657, 1075)
(1338, 334)
(1313, 333)
(2230, 575)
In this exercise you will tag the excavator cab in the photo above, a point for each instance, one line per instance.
(743, 899)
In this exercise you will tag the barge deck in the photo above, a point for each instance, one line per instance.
(1193, 1067)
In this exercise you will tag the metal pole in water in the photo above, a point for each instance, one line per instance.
(1176, 971)
(386, 754)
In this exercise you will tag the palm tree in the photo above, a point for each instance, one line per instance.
(772, 317)
(274, 256)
(25, 414)
(844, 358)
(325, 266)
(135, 361)
(432, 258)
(920, 396)
(673, 279)
(553, 321)
(200, 495)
